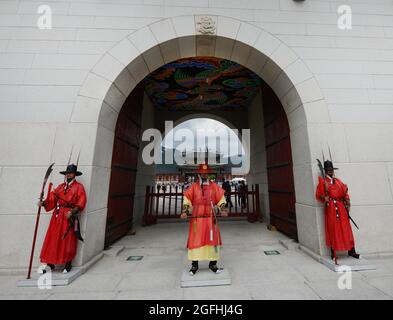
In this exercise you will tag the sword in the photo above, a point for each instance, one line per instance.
(216, 225)
(350, 218)
(72, 221)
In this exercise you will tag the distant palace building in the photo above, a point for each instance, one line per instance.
(175, 173)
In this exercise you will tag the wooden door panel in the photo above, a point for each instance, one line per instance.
(129, 131)
(126, 155)
(124, 167)
(281, 179)
(125, 181)
(276, 130)
(279, 153)
(279, 164)
(122, 206)
(281, 203)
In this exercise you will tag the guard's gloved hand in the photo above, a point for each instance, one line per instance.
(185, 212)
(183, 215)
(224, 210)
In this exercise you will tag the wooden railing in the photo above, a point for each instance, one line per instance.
(168, 203)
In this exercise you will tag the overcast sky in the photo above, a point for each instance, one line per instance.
(204, 127)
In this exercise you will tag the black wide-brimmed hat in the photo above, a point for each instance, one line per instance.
(328, 165)
(72, 168)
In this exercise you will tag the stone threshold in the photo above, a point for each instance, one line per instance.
(344, 262)
(58, 278)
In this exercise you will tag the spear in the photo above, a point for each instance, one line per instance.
(331, 158)
(69, 161)
(77, 159)
(47, 174)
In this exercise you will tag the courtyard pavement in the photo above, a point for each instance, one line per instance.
(290, 275)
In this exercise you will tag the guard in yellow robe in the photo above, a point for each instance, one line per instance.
(204, 239)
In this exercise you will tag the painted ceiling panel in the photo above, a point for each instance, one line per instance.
(202, 83)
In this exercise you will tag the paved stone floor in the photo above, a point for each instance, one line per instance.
(290, 275)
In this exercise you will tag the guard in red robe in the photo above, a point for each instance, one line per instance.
(334, 194)
(204, 238)
(66, 201)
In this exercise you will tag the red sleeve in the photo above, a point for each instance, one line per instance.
(189, 193)
(345, 188)
(82, 199)
(218, 193)
(51, 200)
(320, 192)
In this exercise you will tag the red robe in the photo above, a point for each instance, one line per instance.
(56, 250)
(337, 224)
(201, 206)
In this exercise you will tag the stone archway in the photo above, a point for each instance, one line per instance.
(118, 72)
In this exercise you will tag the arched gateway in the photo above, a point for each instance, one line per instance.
(121, 69)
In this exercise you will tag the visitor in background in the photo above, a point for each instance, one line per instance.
(227, 187)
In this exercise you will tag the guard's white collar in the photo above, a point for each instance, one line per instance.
(330, 178)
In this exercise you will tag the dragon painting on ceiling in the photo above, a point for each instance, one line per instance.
(202, 83)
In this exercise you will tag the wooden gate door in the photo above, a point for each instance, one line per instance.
(124, 167)
(279, 164)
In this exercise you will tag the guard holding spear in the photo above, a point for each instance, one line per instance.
(334, 194)
(204, 197)
(67, 201)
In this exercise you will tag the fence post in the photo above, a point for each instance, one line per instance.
(146, 211)
(148, 218)
(257, 203)
(255, 215)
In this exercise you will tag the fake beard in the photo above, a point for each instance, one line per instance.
(69, 180)
(203, 180)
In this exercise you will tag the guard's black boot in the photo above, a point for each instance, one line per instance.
(49, 265)
(213, 267)
(333, 256)
(194, 268)
(353, 253)
(67, 267)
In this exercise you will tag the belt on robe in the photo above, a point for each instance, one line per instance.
(339, 199)
(335, 201)
(62, 206)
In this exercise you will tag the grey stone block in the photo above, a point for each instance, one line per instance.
(58, 278)
(355, 264)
